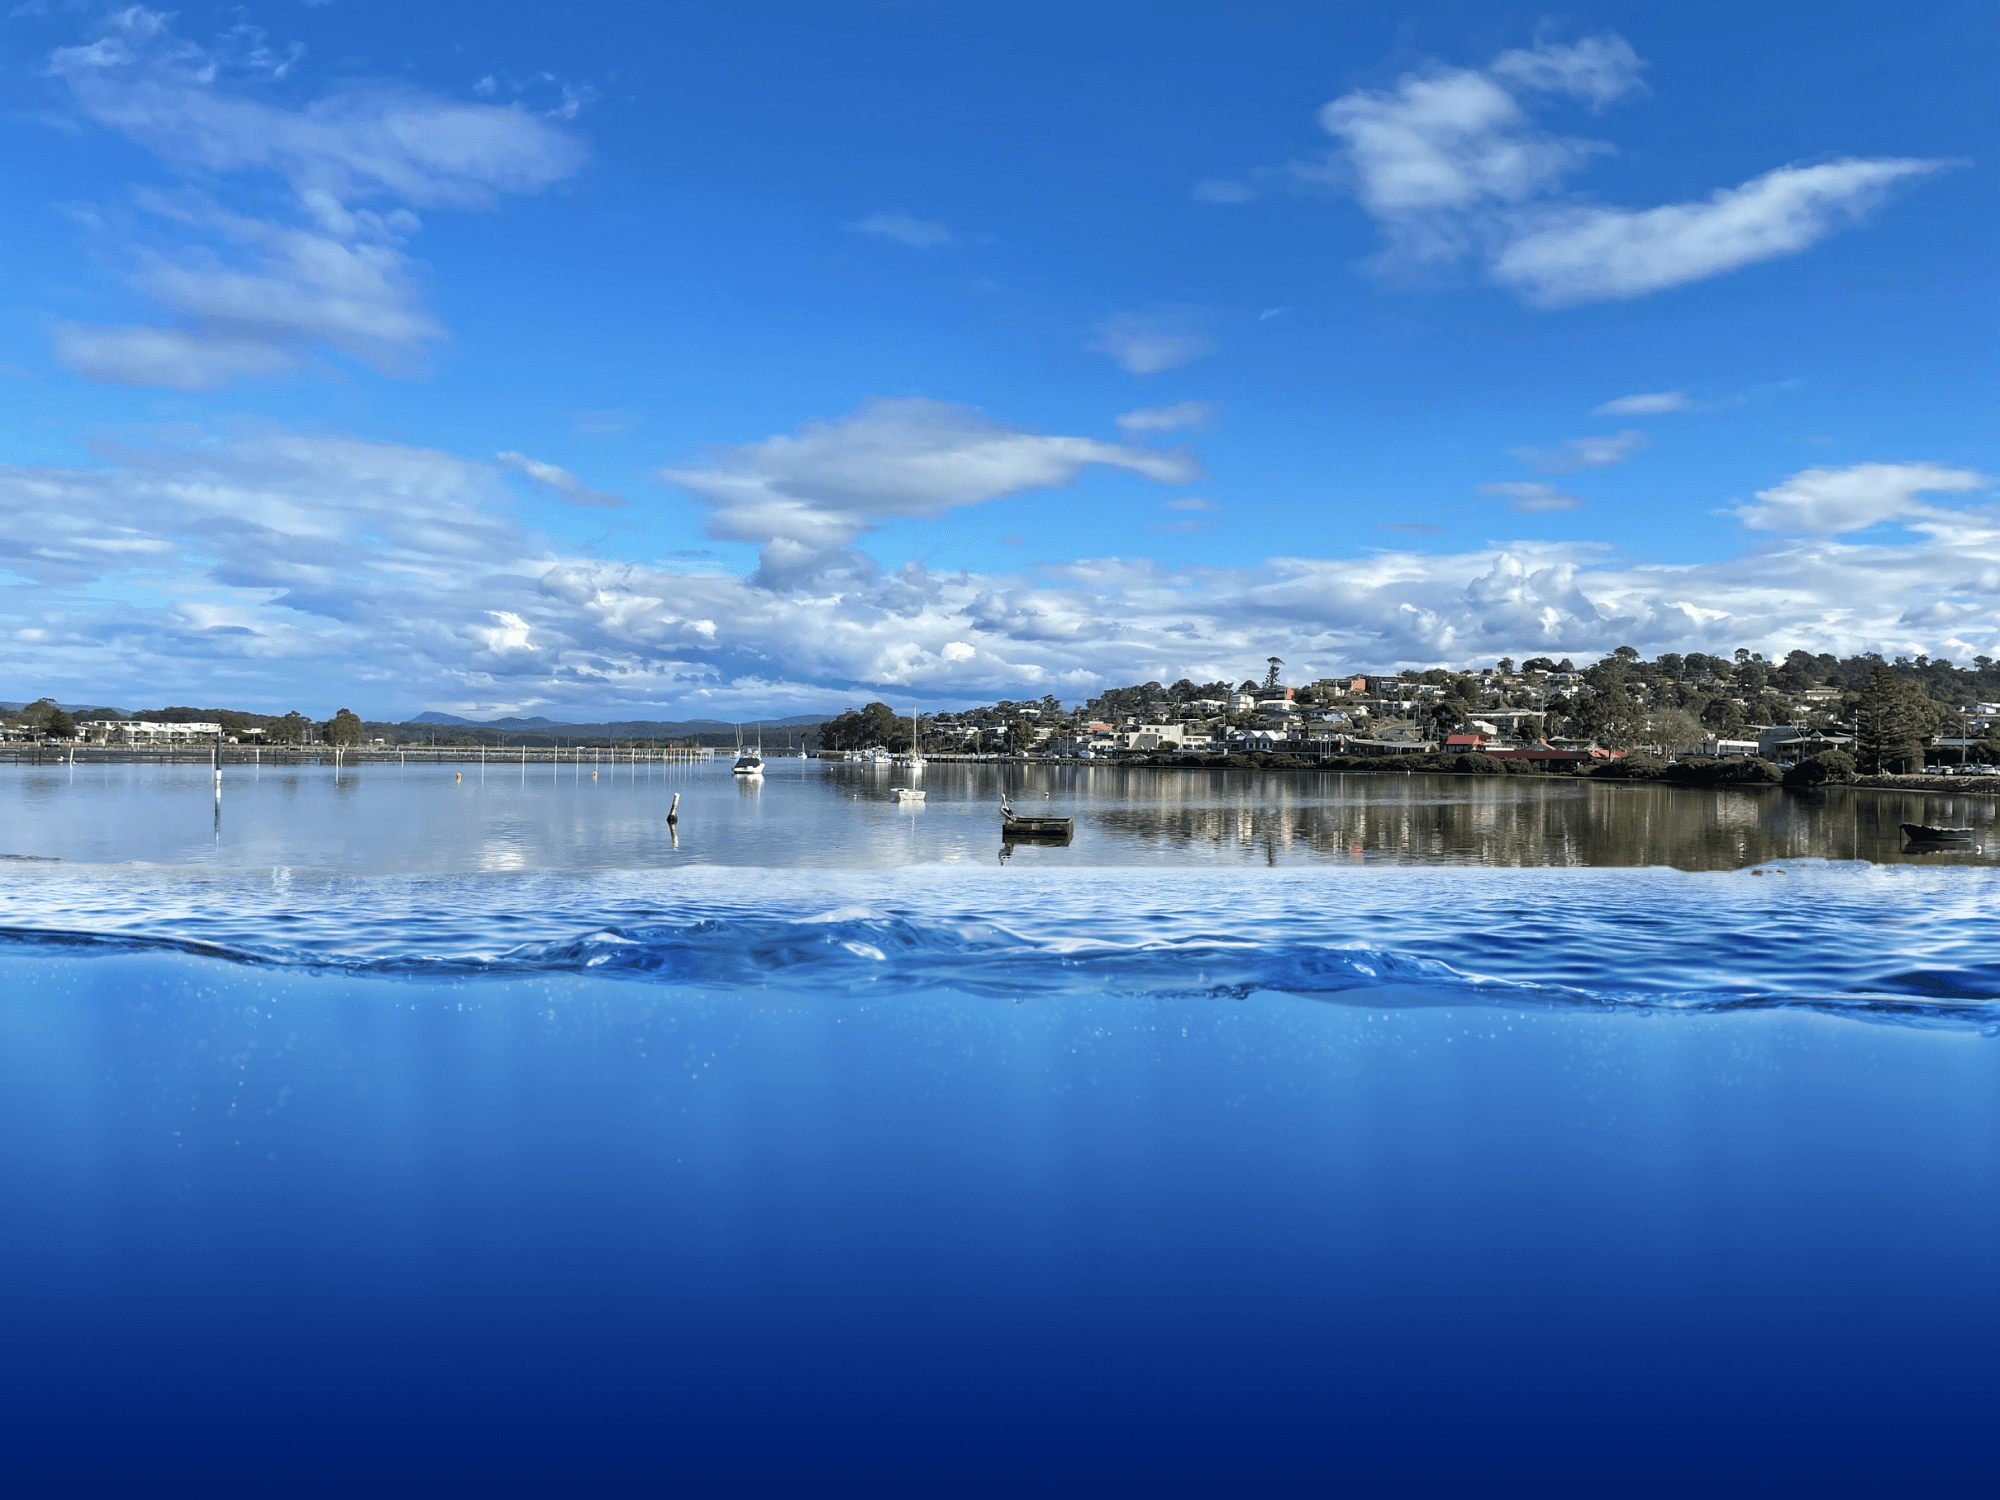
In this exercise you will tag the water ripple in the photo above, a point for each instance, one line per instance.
(1914, 946)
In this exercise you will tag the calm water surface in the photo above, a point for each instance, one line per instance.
(458, 817)
(393, 1131)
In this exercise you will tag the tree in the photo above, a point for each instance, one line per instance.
(1675, 729)
(59, 726)
(877, 724)
(1451, 712)
(1725, 717)
(1610, 717)
(1888, 729)
(344, 728)
(290, 730)
(1828, 765)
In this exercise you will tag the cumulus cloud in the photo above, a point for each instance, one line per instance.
(1600, 254)
(1452, 163)
(906, 229)
(1182, 414)
(1147, 343)
(555, 483)
(309, 570)
(253, 295)
(1529, 497)
(806, 497)
(1829, 502)
(1583, 453)
(1645, 404)
(1429, 157)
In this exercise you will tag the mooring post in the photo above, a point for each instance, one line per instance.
(674, 812)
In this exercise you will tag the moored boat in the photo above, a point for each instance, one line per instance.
(1925, 833)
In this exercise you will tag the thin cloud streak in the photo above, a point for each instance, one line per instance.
(254, 296)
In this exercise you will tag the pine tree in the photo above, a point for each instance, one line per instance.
(1887, 728)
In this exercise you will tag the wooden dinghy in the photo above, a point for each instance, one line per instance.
(1924, 833)
(1037, 828)
(1024, 826)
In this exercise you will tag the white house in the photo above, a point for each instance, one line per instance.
(145, 732)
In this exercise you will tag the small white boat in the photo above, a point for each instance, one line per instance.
(908, 794)
(749, 762)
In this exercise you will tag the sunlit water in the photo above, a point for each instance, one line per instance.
(413, 1125)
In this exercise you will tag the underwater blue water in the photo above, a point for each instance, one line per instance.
(595, 1176)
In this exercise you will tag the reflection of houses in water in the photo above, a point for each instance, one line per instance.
(1336, 816)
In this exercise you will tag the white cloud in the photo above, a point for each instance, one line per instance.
(1193, 502)
(1531, 498)
(1182, 414)
(555, 483)
(1583, 453)
(1598, 68)
(278, 570)
(165, 356)
(807, 497)
(1433, 158)
(361, 143)
(1599, 254)
(1828, 502)
(1146, 344)
(906, 229)
(1646, 404)
(1452, 165)
(255, 295)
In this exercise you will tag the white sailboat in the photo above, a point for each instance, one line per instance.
(915, 759)
(749, 762)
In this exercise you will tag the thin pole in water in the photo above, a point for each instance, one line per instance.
(674, 812)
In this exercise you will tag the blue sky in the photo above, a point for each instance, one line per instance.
(680, 359)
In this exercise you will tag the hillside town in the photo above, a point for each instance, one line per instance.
(1548, 714)
(1908, 715)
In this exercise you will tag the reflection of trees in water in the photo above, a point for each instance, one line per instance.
(1490, 821)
